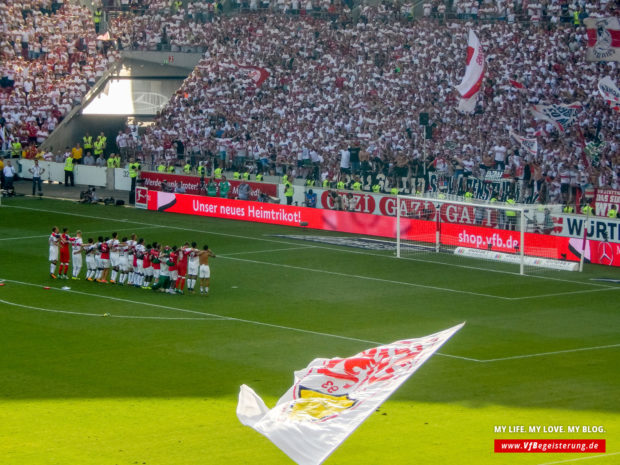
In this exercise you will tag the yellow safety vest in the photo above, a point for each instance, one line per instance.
(510, 212)
(217, 173)
(133, 170)
(187, 168)
(69, 164)
(161, 168)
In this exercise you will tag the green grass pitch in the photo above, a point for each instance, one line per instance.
(157, 382)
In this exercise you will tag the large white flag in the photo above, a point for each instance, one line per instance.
(474, 71)
(330, 398)
(561, 116)
(610, 92)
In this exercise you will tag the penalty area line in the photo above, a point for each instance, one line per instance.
(368, 278)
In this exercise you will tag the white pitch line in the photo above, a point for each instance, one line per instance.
(600, 456)
(266, 251)
(542, 354)
(305, 331)
(222, 317)
(238, 236)
(561, 294)
(368, 278)
(99, 315)
(83, 233)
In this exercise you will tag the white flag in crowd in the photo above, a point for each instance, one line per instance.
(603, 39)
(561, 116)
(468, 105)
(330, 398)
(527, 145)
(474, 71)
(610, 92)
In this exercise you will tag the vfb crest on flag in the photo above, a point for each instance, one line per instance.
(331, 397)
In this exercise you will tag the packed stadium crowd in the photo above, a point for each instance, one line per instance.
(49, 57)
(130, 261)
(316, 96)
(333, 85)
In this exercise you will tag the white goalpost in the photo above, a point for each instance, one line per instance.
(505, 236)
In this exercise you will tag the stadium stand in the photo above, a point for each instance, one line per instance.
(49, 58)
(360, 77)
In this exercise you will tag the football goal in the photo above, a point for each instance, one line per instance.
(500, 235)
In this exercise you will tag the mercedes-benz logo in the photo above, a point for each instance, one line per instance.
(605, 253)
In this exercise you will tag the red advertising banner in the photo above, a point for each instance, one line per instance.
(191, 184)
(457, 235)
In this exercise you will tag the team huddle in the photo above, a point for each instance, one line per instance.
(129, 261)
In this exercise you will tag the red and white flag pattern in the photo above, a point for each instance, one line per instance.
(603, 39)
(474, 71)
(330, 398)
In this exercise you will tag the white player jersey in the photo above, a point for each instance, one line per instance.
(53, 239)
(131, 244)
(113, 244)
(90, 249)
(140, 251)
(193, 256)
(77, 245)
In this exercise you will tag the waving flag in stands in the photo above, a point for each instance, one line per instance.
(474, 71)
(610, 92)
(603, 39)
(330, 398)
(527, 145)
(561, 116)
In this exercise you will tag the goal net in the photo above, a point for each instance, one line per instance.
(496, 236)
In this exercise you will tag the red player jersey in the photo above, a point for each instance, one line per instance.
(64, 243)
(155, 255)
(173, 258)
(105, 251)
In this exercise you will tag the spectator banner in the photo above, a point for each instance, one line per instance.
(192, 185)
(603, 39)
(330, 398)
(610, 92)
(560, 116)
(527, 145)
(461, 225)
(604, 199)
(474, 71)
